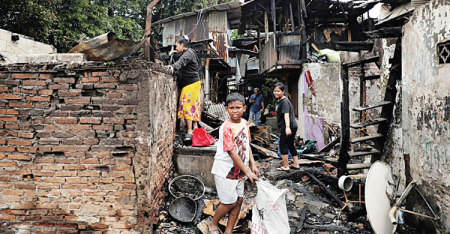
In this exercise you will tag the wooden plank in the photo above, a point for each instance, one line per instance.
(264, 151)
(372, 77)
(359, 166)
(380, 104)
(363, 153)
(330, 145)
(385, 32)
(363, 61)
(366, 138)
(368, 123)
(266, 26)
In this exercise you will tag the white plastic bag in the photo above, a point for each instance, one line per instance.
(270, 213)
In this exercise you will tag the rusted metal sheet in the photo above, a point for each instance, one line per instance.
(171, 31)
(268, 56)
(107, 47)
(218, 23)
(290, 48)
(197, 32)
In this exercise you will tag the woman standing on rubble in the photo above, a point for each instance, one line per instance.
(288, 127)
(189, 82)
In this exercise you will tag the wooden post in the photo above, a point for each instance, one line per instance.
(266, 25)
(345, 125)
(291, 17)
(148, 26)
(259, 38)
(274, 22)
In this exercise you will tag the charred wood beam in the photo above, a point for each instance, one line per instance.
(354, 45)
(345, 121)
(330, 145)
(148, 51)
(331, 193)
(385, 32)
(264, 8)
(301, 220)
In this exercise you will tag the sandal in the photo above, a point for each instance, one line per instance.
(187, 137)
(282, 169)
(212, 232)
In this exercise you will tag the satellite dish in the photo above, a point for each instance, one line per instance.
(379, 182)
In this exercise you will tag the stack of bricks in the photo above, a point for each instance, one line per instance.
(68, 146)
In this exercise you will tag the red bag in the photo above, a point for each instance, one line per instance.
(201, 138)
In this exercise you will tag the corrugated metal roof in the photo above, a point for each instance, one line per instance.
(229, 6)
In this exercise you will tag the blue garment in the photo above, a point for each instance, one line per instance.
(256, 106)
(256, 116)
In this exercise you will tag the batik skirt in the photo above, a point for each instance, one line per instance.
(189, 106)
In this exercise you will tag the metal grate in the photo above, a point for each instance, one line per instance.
(444, 52)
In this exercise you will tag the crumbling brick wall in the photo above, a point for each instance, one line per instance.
(84, 148)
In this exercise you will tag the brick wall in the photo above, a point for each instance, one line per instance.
(84, 148)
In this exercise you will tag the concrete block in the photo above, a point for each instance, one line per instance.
(75, 57)
(314, 206)
(199, 166)
(36, 58)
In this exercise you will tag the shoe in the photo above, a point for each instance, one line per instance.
(282, 169)
(188, 137)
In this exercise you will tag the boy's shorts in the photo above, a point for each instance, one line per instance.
(229, 190)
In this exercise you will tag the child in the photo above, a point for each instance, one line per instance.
(231, 162)
(288, 127)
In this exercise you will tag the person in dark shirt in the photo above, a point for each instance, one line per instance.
(189, 82)
(288, 127)
(257, 107)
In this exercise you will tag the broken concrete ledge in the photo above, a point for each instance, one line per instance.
(50, 58)
(196, 161)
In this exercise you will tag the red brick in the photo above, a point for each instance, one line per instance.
(113, 121)
(44, 160)
(34, 83)
(76, 180)
(102, 127)
(26, 134)
(27, 150)
(52, 167)
(8, 217)
(98, 226)
(65, 173)
(127, 87)
(74, 167)
(25, 206)
(113, 95)
(21, 104)
(12, 112)
(2, 156)
(46, 92)
(38, 99)
(67, 121)
(2, 141)
(68, 93)
(54, 180)
(46, 206)
(4, 75)
(59, 86)
(25, 91)
(64, 80)
(122, 226)
(90, 79)
(44, 173)
(109, 79)
(90, 120)
(89, 174)
(24, 75)
(80, 127)
(89, 161)
(12, 126)
(7, 149)
(105, 86)
(44, 76)
(13, 192)
(19, 157)
(8, 96)
(19, 142)
(8, 119)
(100, 73)
(79, 101)
(4, 89)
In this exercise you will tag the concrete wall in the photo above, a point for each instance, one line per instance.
(324, 106)
(84, 148)
(425, 113)
(24, 45)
